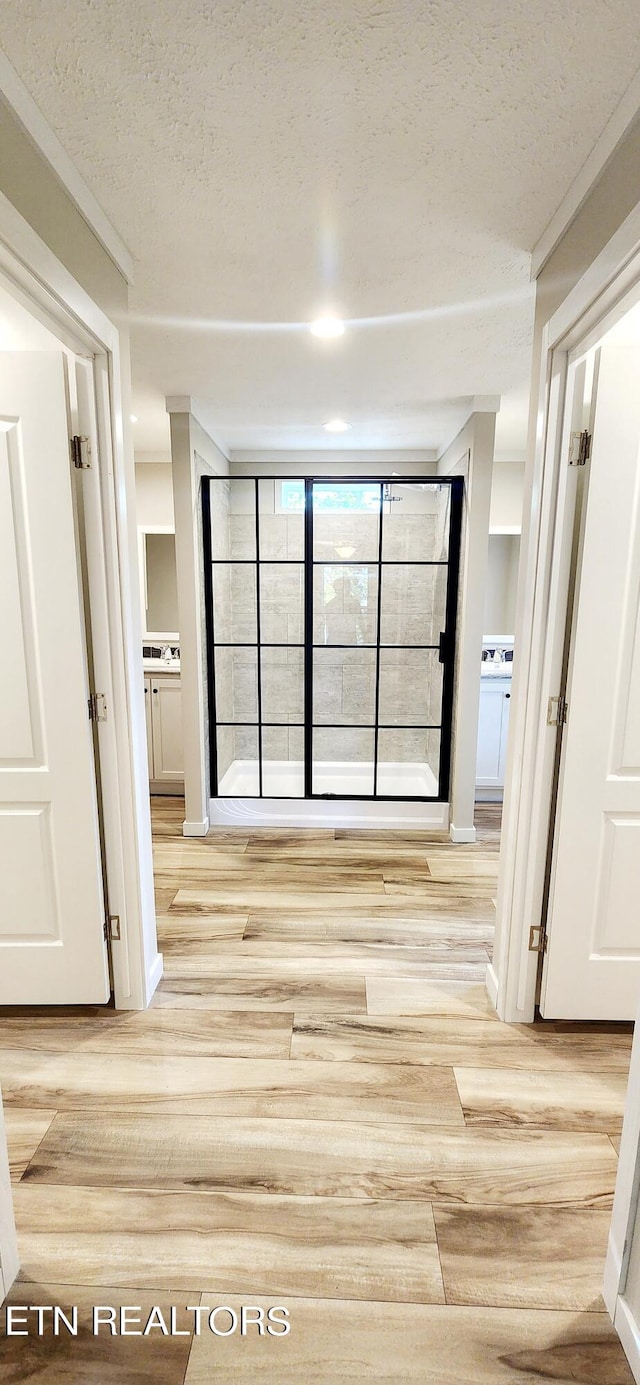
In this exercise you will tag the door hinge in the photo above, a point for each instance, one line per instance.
(81, 452)
(579, 448)
(112, 929)
(538, 944)
(97, 704)
(557, 711)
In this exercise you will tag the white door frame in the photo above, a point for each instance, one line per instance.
(605, 292)
(48, 290)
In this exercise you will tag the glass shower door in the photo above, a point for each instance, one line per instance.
(376, 673)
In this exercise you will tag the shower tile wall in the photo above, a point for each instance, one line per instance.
(235, 623)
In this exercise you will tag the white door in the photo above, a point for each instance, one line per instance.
(592, 965)
(166, 716)
(52, 948)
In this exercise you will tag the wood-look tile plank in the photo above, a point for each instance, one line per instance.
(261, 957)
(615, 1140)
(346, 1343)
(331, 1247)
(421, 996)
(221, 869)
(257, 1087)
(327, 1159)
(153, 1033)
(450, 866)
(85, 1359)
(254, 894)
(279, 964)
(25, 1129)
(249, 991)
(523, 1257)
(188, 937)
(567, 1101)
(392, 836)
(449, 1042)
(370, 926)
(462, 898)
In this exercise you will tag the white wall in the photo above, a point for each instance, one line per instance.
(333, 462)
(507, 492)
(471, 456)
(502, 584)
(154, 495)
(193, 455)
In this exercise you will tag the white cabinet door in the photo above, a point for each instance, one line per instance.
(592, 964)
(52, 947)
(492, 731)
(504, 733)
(166, 719)
(149, 725)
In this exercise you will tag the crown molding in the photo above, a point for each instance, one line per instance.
(592, 169)
(16, 97)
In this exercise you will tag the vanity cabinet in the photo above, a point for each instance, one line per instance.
(493, 728)
(163, 708)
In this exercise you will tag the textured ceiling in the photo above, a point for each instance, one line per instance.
(394, 161)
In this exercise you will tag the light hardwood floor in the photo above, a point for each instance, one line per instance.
(320, 1110)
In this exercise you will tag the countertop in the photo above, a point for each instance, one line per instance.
(161, 666)
(491, 670)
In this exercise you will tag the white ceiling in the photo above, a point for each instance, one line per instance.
(267, 160)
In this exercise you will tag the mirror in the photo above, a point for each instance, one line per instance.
(159, 585)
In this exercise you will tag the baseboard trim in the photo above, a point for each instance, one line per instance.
(491, 983)
(629, 1334)
(155, 976)
(462, 834)
(195, 829)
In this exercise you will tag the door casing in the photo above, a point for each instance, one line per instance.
(41, 283)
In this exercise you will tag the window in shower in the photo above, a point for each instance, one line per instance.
(331, 609)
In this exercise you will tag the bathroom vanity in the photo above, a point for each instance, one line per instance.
(493, 722)
(163, 709)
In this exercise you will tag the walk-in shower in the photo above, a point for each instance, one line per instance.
(331, 612)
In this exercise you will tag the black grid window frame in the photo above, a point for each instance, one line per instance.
(446, 646)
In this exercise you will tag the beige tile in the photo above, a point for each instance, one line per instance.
(260, 892)
(568, 1101)
(523, 1257)
(84, 1081)
(455, 1041)
(394, 928)
(327, 1159)
(248, 991)
(86, 1359)
(188, 937)
(418, 996)
(153, 1033)
(263, 957)
(348, 1343)
(331, 1247)
(25, 1129)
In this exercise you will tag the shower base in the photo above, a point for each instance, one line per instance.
(284, 804)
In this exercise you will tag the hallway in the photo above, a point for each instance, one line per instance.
(319, 1110)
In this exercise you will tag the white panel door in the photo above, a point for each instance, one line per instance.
(166, 717)
(52, 948)
(592, 965)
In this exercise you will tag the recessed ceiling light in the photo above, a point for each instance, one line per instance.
(134, 418)
(327, 326)
(336, 425)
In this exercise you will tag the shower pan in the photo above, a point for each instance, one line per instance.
(330, 624)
